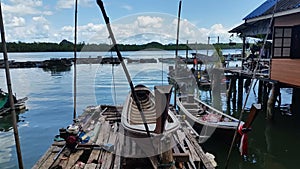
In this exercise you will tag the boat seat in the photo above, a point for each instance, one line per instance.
(191, 105)
(148, 110)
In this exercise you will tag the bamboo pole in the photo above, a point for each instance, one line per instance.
(75, 60)
(9, 88)
(253, 76)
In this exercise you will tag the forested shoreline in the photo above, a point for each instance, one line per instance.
(67, 46)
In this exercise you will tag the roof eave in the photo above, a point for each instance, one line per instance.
(278, 14)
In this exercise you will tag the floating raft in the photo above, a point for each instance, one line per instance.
(110, 148)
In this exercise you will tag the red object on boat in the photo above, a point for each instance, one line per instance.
(244, 141)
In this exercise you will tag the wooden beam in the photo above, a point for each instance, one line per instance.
(181, 157)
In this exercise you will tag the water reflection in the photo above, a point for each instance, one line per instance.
(6, 121)
(7, 145)
(57, 70)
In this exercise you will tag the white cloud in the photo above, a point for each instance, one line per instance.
(134, 29)
(14, 21)
(127, 7)
(26, 20)
(90, 33)
(149, 22)
(36, 29)
(67, 4)
(40, 19)
(21, 7)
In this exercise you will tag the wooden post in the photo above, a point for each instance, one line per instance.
(229, 94)
(234, 94)
(187, 50)
(167, 157)
(216, 89)
(243, 51)
(240, 93)
(295, 100)
(271, 101)
(162, 100)
(266, 93)
(260, 92)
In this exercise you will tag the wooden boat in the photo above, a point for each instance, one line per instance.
(159, 123)
(207, 120)
(4, 103)
(3, 99)
(132, 119)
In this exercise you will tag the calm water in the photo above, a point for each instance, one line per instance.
(50, 107)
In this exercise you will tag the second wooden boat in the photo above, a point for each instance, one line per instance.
(207, 120)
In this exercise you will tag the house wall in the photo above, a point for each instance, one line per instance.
(286, 71)
(288, 20)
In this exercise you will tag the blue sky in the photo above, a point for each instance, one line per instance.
(133, 21)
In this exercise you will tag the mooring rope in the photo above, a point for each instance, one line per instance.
(248, 93)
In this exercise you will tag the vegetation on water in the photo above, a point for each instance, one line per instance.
(67, 46)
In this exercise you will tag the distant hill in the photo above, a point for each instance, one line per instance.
(67, 46)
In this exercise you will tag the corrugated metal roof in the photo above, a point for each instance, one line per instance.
(261, 9)
(267, 7)
(284, 5)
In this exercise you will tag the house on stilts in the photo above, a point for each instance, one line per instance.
(280, 21)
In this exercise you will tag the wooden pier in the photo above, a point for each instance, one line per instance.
(108, 146)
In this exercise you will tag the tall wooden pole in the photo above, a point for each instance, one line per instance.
(75, 60)
(176, 51)
(9, 88)
(112, 36)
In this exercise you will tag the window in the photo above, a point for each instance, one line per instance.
(286, 42)
(282, 42)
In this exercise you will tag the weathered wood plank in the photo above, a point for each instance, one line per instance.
(72, 159)
(44, 158)
(194, 155)
(208, 164)
(286, 71)
(181, 157)
(90, 166)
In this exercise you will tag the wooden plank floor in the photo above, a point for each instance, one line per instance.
(108, 144)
